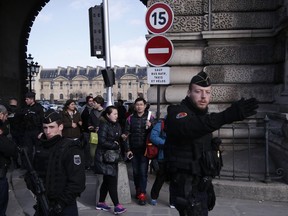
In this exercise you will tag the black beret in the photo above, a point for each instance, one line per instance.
(30, 95)
(201, 79)
(51, 116)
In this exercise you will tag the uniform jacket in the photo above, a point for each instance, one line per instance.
(108, 133)
(135, 127)
(189, 133)
(68, 130)
(7, 150)
(33, 116)
(59, 162)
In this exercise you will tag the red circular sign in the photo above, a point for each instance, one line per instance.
(158, 50)
(159, 18)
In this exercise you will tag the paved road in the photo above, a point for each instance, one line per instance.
(21, 200)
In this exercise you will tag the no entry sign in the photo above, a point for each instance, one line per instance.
(159, 18)
(158, 50)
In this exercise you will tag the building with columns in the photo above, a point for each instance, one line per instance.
(60, 84)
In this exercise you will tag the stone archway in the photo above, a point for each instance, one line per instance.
(16, 23)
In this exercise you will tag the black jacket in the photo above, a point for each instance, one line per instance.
(189, 134)
(94, 119)
(60, 163)
(107, 134)
(7, 150)
(85, 115)
(33, 116)
(136, 128)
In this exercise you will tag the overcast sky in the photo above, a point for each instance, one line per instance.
(60, 34)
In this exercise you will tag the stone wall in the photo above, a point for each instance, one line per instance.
(240, 44)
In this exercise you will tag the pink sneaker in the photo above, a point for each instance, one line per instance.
(119, 209)
(102, 206)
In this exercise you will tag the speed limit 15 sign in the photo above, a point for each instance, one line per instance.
(159, 18)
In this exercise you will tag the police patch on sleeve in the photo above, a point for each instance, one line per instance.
(77, 159)
(181, 115)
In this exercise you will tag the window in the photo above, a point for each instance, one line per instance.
(130, 96)
(61, 96)
(51, 97)
(118, 95)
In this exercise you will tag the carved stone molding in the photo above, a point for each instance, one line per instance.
(187, 7)
(242, 54)
(244, 5)
(253, 20)
(242, 73)
(187, 24)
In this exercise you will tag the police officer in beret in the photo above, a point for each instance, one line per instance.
(59, 163)
(190, 145)
(32, 115)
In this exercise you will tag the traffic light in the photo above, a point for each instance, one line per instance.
(97, 37)
(108, 76)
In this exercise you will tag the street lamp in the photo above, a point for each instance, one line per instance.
(32, 70)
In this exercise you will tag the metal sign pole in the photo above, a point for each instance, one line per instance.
(158, 102)
(107, 47)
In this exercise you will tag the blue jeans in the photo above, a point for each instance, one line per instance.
(140, 172)
(3, 196)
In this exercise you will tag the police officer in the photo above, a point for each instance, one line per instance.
(32, 116)
(58, 161)
(7, 150)
(189, 141)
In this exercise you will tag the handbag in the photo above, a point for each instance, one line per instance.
(111, 156)
(93, 138)
(151, 151)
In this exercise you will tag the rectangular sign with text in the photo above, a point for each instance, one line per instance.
(158, 75)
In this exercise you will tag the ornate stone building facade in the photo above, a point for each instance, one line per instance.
(60, 84)
(241, 44)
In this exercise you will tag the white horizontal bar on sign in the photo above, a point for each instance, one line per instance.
(158, 50)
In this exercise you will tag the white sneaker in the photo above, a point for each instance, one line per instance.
(172, 206)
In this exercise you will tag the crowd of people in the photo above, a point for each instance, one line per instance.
(58, 146)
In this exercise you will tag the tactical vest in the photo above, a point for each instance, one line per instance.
(55, 178)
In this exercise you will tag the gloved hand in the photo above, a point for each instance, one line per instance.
(56, 210)
(241, 109)
(211, 198)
